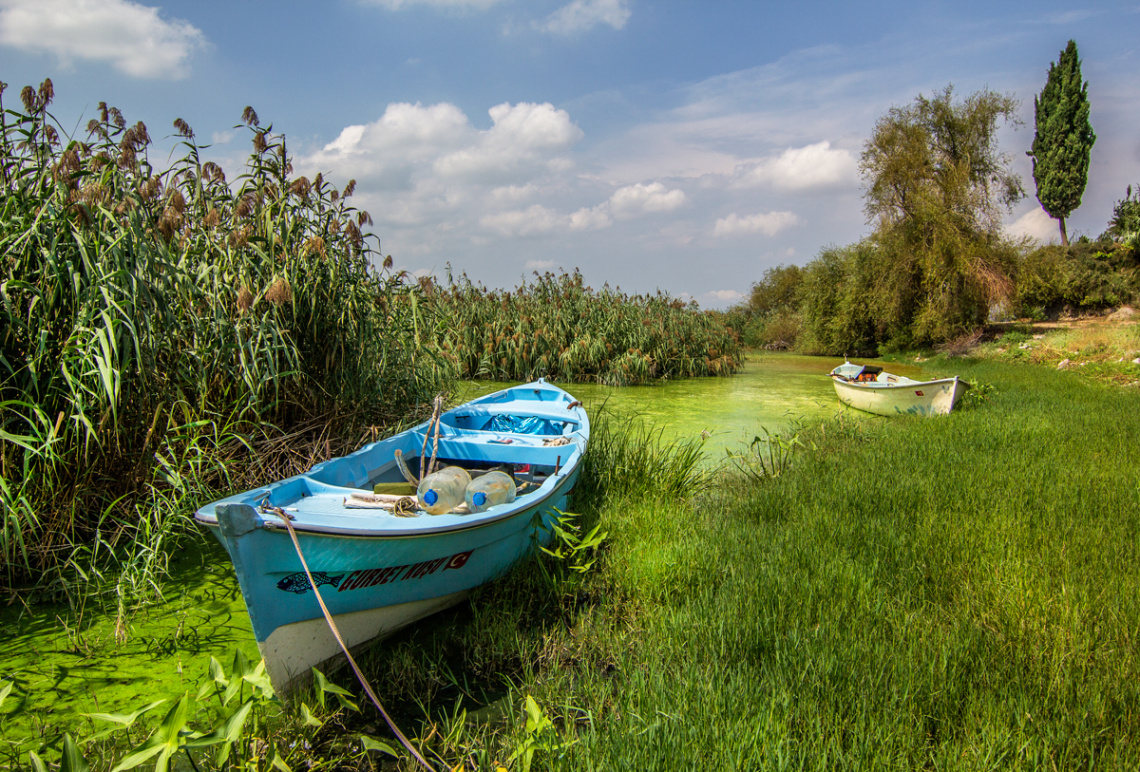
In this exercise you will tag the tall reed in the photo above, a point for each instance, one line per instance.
(151, 319)
(558, 327)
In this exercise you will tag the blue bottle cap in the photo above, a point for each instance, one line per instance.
(431, 497)
(479, 498)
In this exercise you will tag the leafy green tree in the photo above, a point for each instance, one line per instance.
(768, 317)
(937, 188)
(1064, 139)
(1124, 226)
(838, 301)
(776, 290)
(939, 155)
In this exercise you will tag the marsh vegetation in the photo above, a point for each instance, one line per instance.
(956, 593)
(167, 334)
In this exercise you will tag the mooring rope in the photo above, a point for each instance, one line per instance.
(336, 634)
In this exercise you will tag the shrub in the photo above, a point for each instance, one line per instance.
(1084, 276)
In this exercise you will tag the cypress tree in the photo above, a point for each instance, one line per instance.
(1064, 139)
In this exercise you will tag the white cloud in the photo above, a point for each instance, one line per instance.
(524, 222)
(427, 165)
(582, 15)
(396, 5)
(593, 218)
(128, 36)
(348, 140)
(538, 219)
(396, 152)
(540, 265)
(638, 199)
(722, 296)
(1069, 18)
(523, 136)
(512, 194)
(625, 203)
(405, 129)
(805, 168)
(769, 224)
(1036, 224)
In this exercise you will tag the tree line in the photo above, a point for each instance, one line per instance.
(937, 264)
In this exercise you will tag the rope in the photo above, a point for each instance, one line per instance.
(336, 634)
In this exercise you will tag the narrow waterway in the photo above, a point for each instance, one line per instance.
(64, 664)
(771, 391)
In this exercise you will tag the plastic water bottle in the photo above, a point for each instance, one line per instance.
(442, 491)
(488, 490)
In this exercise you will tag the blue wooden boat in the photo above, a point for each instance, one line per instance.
(377, 570)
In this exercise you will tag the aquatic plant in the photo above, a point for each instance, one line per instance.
(630, 458)
(574, 552)
(767, 456)
(233, 721)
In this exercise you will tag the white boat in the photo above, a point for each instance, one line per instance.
(871, 389)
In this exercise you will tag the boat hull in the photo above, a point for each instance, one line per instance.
(906, 397)
(292, 650)
(377, 572)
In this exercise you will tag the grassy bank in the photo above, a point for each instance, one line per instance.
(1099, 347)
(950, 593)
(956, 593)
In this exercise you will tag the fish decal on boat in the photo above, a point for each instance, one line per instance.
(299, 583)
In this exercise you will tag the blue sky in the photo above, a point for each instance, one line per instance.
(679, 146)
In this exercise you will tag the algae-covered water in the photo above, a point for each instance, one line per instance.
(64, 664)
(771, 392)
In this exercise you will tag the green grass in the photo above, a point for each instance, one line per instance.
(951, 593)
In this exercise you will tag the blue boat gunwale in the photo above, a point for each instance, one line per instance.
(272, 523)
(522, 504)
(563, 460)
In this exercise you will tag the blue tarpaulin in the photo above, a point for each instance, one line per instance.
(517, 424)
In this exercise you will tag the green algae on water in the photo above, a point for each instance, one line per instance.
(62, 667)
(773, 391)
